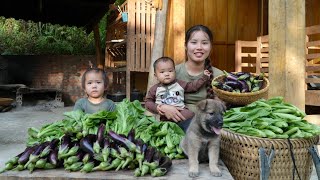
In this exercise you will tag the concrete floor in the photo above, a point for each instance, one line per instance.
(13, 134)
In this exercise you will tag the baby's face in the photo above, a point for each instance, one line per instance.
(165, 72)
(94, 85)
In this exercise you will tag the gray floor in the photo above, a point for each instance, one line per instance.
(13, 133)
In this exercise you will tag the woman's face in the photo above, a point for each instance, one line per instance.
(198, 47)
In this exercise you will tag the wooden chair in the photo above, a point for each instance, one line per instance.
(245, 56)
(261, 63)
(313, 64)
(263, 54)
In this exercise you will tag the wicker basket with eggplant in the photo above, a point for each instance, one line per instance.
(240, 88)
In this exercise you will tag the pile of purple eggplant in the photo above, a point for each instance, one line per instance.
(240, 82)
(94, 152)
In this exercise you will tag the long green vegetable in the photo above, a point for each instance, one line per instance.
(271, 118)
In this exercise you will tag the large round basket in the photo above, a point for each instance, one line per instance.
(235, 98)
(240, 153)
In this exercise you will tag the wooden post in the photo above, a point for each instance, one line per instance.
(159, 36)
(175, 31)
(96, 33)
(287, 50)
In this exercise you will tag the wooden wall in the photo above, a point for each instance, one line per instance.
(312, 12)
(230, 20)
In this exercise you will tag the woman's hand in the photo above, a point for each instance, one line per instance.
(207, 73)
(171, 112)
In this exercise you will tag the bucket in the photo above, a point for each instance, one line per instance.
(124, 16)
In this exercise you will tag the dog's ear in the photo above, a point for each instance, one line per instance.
(223, 104)
(202, 104)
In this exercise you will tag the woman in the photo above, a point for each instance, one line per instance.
(198, 44)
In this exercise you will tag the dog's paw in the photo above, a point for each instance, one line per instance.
(216, 173)
(193, 174)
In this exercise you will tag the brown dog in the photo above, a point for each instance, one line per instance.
(202, 141)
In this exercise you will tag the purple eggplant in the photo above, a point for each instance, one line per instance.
(86, 143)
(131, 135)
(165, 162)
(124, 141)
(25, 156)
(227, 88)
(230, 76)
(53, 157)
(40, 148)
(53, 144)
(245, 87)
(149, 153)
(65, 144)
(37, 153)
(106, 150)
(100, 134)
(234, 84)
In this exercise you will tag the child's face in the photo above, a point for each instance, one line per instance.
(94, 85)
(165, 72)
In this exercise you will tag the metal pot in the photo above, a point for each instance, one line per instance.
(136, 95)
(116, 97)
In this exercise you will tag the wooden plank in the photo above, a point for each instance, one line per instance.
(137, 62)
(131, 8)
(287, 51)
(313, 43)
(178, 29)
(248, 64)
(313, 56)
(152, 29)
(313, 80)
(143, 36)
(264, 60)
(312, 97)
(238, 67)
(313, 30)
(248, 54)
(148, 36)
(315, 67)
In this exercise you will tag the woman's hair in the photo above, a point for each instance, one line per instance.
(95, 70)
(162, 59)
(207, 62)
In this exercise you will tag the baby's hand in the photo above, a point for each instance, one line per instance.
(207, 73)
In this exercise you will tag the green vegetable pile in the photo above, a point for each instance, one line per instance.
(271, 118)
(123, 139)
(128, 115)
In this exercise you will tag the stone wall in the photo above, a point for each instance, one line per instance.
(60, 72)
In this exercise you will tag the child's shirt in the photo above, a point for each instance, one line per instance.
(172, 94)
(87, 107)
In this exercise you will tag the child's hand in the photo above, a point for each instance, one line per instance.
(207, 73)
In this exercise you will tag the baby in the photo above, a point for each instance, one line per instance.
(170, 90)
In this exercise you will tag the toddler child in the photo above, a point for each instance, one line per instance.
(94, 82)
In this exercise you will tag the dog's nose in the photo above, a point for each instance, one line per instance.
(220, 123)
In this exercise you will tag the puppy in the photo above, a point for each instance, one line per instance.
(202, 140)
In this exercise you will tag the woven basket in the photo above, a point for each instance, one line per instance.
(240, 153)
(241, 98)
